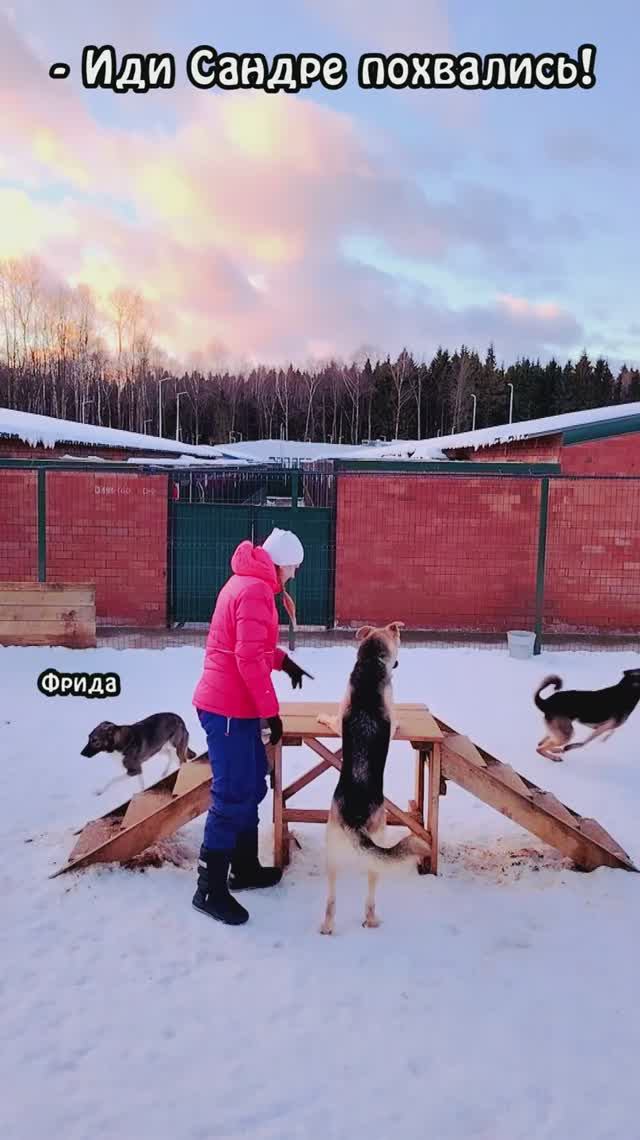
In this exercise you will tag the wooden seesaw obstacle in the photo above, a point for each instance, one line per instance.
(175, 800)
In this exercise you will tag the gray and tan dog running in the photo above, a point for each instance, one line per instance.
(161, 732)
(367, 722)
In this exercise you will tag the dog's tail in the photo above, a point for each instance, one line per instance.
(191, 755)
(552, 680)
(406, 851)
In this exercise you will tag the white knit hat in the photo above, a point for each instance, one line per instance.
(284, 547)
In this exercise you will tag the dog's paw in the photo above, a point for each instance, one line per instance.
(372, 923)
(324, 929)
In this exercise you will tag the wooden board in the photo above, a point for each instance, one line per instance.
(548, 802)
(145, 804)
(595, 831)
(191, 775)
(320, 815)
(155, 814)
(43, 613)
(464, 747)
(300, 720)
(31, 593)
(507, 775)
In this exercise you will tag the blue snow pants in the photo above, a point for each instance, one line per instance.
(239, 768)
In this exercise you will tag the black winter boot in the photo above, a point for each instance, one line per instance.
(212, 893)
(246, 870)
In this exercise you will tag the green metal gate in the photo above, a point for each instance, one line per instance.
(205, 535)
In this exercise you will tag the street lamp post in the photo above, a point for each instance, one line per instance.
(161, 381)
(510, 385)
(178, 395)
(475, 405)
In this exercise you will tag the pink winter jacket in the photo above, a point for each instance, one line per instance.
(241, 647)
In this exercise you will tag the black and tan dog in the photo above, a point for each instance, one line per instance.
(603, 710)
(367, 723)
(139, 742)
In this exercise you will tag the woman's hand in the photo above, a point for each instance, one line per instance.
(275, 725)
(295, 672)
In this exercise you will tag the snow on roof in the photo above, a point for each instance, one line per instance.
(427, 449)
(46, 431)
(263, 450)
(191, 461)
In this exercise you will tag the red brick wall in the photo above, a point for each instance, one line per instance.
(111, 530)
(460, 553)
(437, 552)
(18, 526)
(545, 450)
(592, 581)
(619, 455)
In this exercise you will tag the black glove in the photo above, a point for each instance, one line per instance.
(275, 724)
(295, 672)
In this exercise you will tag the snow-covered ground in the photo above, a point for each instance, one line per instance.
(496, 1002)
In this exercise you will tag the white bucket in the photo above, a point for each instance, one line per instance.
(521, 643)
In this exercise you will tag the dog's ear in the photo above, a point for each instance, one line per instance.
(108, 732)
(363, 632)
(395, 626)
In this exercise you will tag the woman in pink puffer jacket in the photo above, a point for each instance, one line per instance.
(234, 694)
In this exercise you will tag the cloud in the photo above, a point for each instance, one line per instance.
(231, 221)
(403, 26)
(579, 148)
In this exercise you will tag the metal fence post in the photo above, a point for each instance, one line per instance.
(292, 586)
(171, 552)
(542, 554)
(42, 525)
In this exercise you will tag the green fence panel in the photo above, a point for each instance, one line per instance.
(203, 538)
(205, 535)
(313, 525)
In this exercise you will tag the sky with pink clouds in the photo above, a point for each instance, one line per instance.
(302, 226)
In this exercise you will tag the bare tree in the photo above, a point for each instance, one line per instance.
(401, 373)
(460, 388)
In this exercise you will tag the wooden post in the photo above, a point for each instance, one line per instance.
(424, 866)
(278, 806)
(434, 803)
(419, 786)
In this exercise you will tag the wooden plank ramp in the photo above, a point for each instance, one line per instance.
(148, 816)
(500, 787)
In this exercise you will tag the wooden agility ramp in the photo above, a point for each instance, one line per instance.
(164, 807)
(539, 812)
(151, 815)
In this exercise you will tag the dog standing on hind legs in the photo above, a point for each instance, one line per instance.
(367, 722)
(603, 710)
